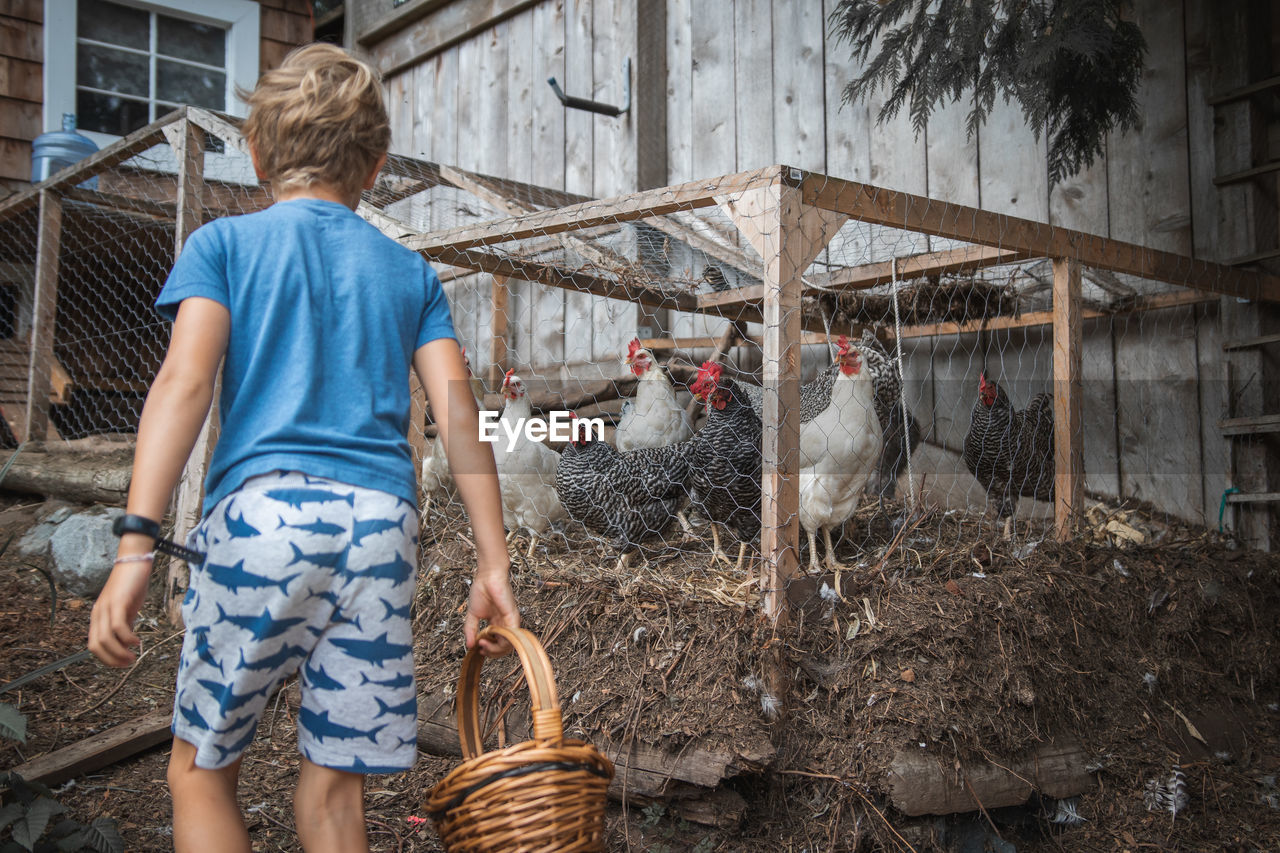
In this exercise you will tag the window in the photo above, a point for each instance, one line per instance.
(121, 64)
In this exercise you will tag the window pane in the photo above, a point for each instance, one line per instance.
(109, 113)
(187, 84)
(114, 70)
(189, 40)
(113, 23)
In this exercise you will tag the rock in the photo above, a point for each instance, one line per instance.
(35, 542)
(82, 550)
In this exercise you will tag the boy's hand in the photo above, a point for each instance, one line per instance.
(491, 600)
(111, 633)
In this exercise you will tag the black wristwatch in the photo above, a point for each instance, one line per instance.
(129, 523)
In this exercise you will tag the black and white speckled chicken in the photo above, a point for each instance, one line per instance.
(884, 376)
(724, 459)
(1010, 452)
(893, 458)
(626, 497)
(815, 395)
(888, 402)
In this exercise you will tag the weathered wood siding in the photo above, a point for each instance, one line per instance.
(21, 81)
(749, 83)
(284, 25)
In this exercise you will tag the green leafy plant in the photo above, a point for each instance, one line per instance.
(1072, 65)
(13, 724)
(31, 807)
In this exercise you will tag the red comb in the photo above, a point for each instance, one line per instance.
(843, 343)
(633, 347)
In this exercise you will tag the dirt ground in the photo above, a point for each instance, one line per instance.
(949, 640)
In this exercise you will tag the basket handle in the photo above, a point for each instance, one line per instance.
(542, 689)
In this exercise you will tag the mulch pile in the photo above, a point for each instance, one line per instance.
(948, 641)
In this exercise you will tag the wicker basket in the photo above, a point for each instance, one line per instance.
(539, 796)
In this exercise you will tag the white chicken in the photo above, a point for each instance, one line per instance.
(839, 453)
(436, 480)
(526, 469)
(653, 418)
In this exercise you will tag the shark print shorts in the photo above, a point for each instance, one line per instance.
(312, 575)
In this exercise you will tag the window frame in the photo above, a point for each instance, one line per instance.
(239, 17)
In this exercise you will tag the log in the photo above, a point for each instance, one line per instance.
(98, 751)
(101, 478)
(920, 783)
(643, 770)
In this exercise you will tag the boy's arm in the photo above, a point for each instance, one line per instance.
(171, 419)
(443, 374)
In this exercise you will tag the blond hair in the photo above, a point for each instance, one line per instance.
(318, 118)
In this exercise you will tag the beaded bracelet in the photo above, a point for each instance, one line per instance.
(136, 558)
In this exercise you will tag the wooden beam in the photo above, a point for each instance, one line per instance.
(499, 297)
(484, 190)
(1257, 497)
(44, 309)
(190, 494)
(114, 154)
(1045, 318)
(1242, 92)
(962, 259)
(1256, 425)
(1248, 343)
(1253, 258)
(588, 214)
(943, 219)
(558, 277)
(158, 209)
(1068, 438)
(98, 751)
(1246, 174)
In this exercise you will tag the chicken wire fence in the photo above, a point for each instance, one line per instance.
(908, 373)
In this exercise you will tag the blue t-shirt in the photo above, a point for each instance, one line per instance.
(326, 313)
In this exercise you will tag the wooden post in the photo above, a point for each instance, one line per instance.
(1068, 462)
(498, 344)
(788, 235)
(44, 311)
(187, 505)
(417, 422)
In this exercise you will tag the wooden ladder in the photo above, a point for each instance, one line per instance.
(1245, 234)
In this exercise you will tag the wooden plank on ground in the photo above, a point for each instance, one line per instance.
(98, 751)
(918, 783)
(1068, 465)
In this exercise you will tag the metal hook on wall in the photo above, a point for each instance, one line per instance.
(576, 103)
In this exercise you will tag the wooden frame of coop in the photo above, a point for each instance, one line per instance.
(785, 215)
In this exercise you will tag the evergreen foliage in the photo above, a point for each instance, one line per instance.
(1072, 65)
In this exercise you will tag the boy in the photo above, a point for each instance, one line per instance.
(310, 519)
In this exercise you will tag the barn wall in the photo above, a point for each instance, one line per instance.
(751, 83)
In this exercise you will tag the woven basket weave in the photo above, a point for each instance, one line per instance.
(545, 794)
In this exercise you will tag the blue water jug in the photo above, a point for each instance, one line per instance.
(58, 149)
